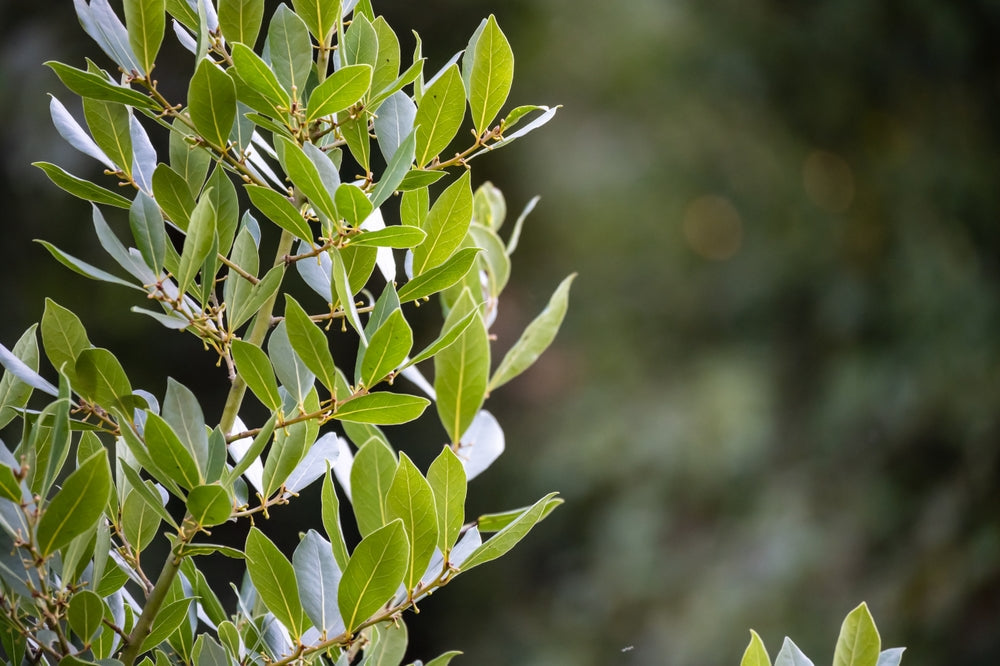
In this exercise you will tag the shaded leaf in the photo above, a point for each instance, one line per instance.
(371, 475)
(80, 188)
(461, 371)
(331, 520)
(318, 577)
(310, 344)
(212, 103)
(95, 86)
(209, 505)
(77, 506)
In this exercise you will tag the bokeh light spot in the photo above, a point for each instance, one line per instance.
(713, 227)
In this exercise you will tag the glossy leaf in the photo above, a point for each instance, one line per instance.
(63, 336)
(755, 654)
(174, 195)
(318, 577)
(240, 20)
(440, 115)
(439, 278)
(382, 408)
(80, 188)
(198, 243)
(446, 477)
(375, 570)
(446, 225)
(509, 536)
(167, 621)
(355, 131)
(100, 377)
(222, 192)
(77, 506)
(171, 455)
(387, 59)
(859, 643)
(490, 74)
(461, 371)
(387, 349)
(353, 204)
(85, 614)
(411, 500)
(209, 505)
(494, 522)
(322, 16)
(146, 22)
(140, 520)
(212, 103)
(339, 91)
(310, 343)
(443, 659)
(398, 236)
(95, 86)
(330, 510)
(271, 97)
(535, 339)
(273, 576)
(291, 50)
(371, 475)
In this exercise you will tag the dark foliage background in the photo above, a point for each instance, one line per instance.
(776, 393)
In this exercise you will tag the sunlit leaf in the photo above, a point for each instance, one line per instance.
(446, 225)
(440, 115)
(212, 103)
(755, 654)
(411, 500)
(375, 570)
(339, 91)
(509, 536)
(240, 20)
(859, 643)
(146, 22)
(273, 576)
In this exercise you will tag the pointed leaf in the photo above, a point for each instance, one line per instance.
(387, 349)
(382, 408)
(322, 16)
(274, 578)
(209, 505)
(74, 134)
(411, 500)
(306, 177)
(461, 371)
(331, 521)
(146, 22)
(371, 475)
(447, 479)
(95, 86)
(438, 279)
(182, 411)
(254, 73)
(318, 577)
(891, 657)
(172, 456)
(446, 225)
(393, 175)
(398, 236)
(253, 365)
(77, 506)
(82, 189)
(173, 194)
(140, 520)
(341, 90)
(859, 643)
(146, 223)
(85, 613)
(240, 20)
(394, 122)
(212, 103)
(291, 50)
(791, 655)
(170, 617)
(360, 43)
(491, 74)
(100, 377)
(310, 343)
(440, 115)
(509, 536)
(375, 570)
(755, 654)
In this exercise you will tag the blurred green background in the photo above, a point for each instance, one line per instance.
(776, 393)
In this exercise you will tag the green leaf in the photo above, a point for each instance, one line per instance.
(63, 336)
(260, 293)
(446, 476)
(172, 457)
(306, 177)
(509, 536)
(273, 576)
(95, 86)
(146, 223)
(416, 179)
(197, 243)
(184, 13)
(355, 131)
(310, 343)
(208, 652)
(109, 124)
(494, 522)
(167, 621)
(277, 208)
(446, 224)
(212, 103)
(188, 159)
(388, 646)
(360, 43)
(253, 451)
(80, 188)
(344, 289)
(791, 655)
(444, 659)
(535, 339)
(222, 192)
(341, 90)
(461, 371)
(318, 576)
(209, 505)
(387, 349)
(382, 408)
(371, 475)
(330, 510)
(253, 365)
(352, 204)
(489, 208)
(140, 520)
(100, 377)
(371, 577)
(439, 278)
(10, 488)
(388, 57)
(411, 500)
(182, 411)
(397, 236)
(77, 506)
(174, 196)
(146, 21)
(14, 392)
(240, 20)
(396, 170)
(322, 17)
(449, 333)
(490, 75)
(85, 613)
(859, 643)
(291, 50)
(292, 372)
(146, 489)
(271, 98)
(494, 258)
(440, 115)
(755, 654)
(289, 448)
